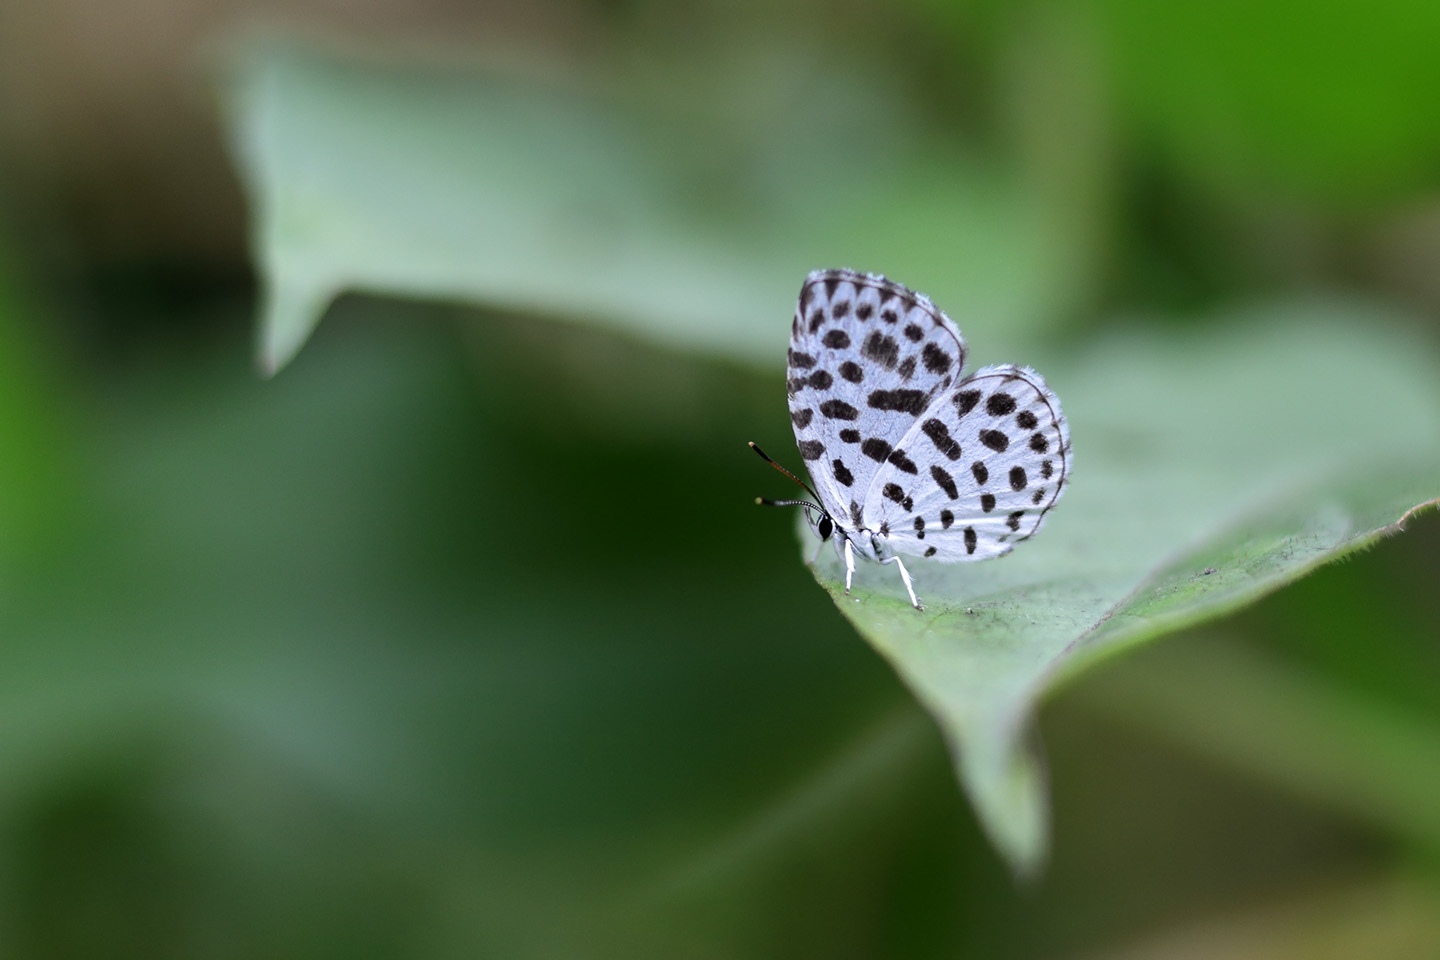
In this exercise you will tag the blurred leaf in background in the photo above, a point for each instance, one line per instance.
(1329, 103)
(34, 434)
(528, 195)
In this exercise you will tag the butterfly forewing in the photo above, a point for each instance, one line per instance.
(991, 457)
(867, 358)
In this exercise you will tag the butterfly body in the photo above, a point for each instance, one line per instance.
(909, 456)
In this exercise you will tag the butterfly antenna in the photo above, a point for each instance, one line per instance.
(783, 503)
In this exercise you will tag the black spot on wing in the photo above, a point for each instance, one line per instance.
(802, 418)
(1046, 469)
(939, 434)
(929, 551)
(969, 540)
(821, 380)
(919, 528)
(842, 472)
(831, 283)
(913, 333)
(1017, 478)
(1013, 521)
(965, 401)
(850, 370)
(881, 349)
(889, 316)
(1039, 495)
(995, 440)
(801, 360)
(946, 519)
(857, 515)
(1038, 443)
(876, 449)
(980, 472)
(863, 311)
(840, 310)
(987, 502)
(807, 293)
(1000, 405)
(1026, 420)
(850, 435)
(905, 401)
(839, 410)
(906, 368)
(836, 339)
(817, 320)
(946, 482)
(936, 360)
(893, 491)
(811, 449)
(902, 462)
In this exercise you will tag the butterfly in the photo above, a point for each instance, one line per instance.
(908, 457)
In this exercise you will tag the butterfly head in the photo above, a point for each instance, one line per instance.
(820, 522)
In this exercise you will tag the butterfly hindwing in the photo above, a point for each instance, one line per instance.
(992, 456)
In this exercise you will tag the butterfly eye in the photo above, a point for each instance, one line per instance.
(825, 527)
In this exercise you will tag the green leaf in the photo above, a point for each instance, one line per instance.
(1335, 110)
(535, 197)
(1285, 725)
(1209, 469)
(37, 472)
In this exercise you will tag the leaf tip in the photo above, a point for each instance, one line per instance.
(1007, 784)
(290, 314)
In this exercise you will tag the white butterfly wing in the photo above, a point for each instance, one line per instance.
(988, 459)
(867, 357)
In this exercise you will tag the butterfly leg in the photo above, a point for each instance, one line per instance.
(849, 565)
(905, 576)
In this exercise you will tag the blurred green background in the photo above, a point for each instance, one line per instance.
(461, 636)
